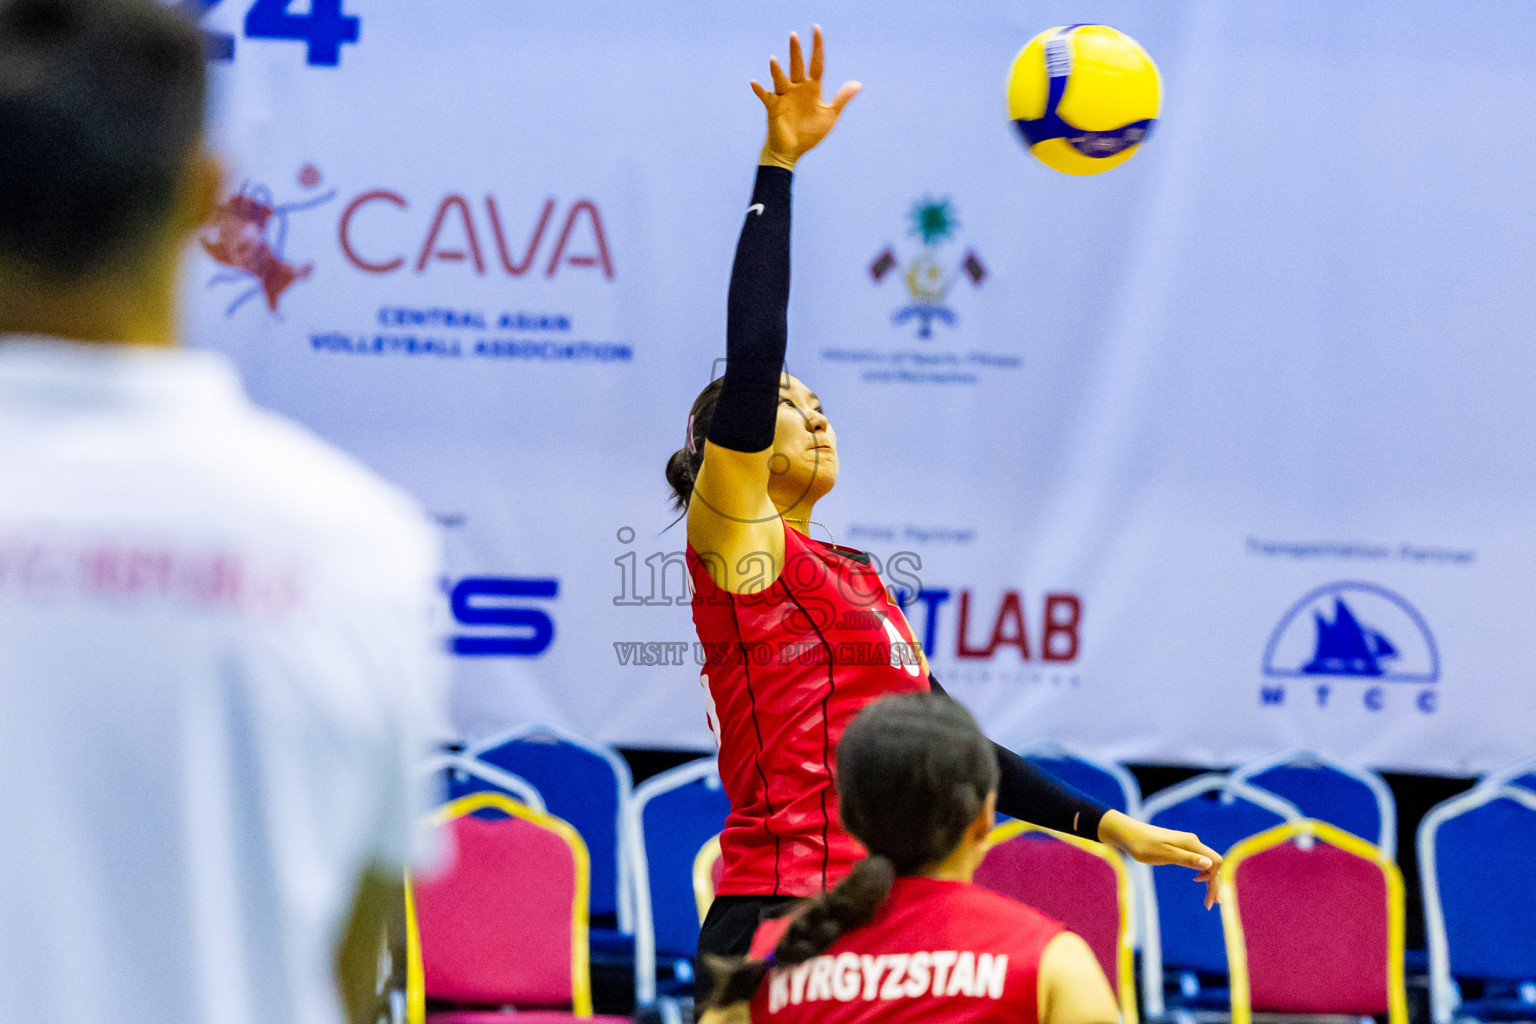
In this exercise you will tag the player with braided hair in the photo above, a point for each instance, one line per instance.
(906, 936)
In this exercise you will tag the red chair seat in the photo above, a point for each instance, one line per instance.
(1061, 881)
(1080, 884)
(497, 927)
(505, 924)
(1314, 924)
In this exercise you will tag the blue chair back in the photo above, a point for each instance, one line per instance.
(1522, 774)
(1088, 777)
(1482, 871)
(1220, 812)
(676, 820)
(582, 783)
(1355, 799)
(457, 776)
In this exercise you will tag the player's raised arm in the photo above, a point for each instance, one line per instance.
(730, 513)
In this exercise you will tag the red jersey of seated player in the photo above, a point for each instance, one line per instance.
(786, 669)
(936, 952)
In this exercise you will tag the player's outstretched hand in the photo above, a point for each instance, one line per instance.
(1152, 845)
(797, 118)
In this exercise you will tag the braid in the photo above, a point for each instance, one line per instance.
(819, 924)
(829, 915)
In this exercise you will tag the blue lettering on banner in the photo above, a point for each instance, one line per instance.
(337, 343)
(324, 29)
(931, 600)
(467, 599)
(386, 344)
(469, 319)
(553, 351)
(400, 316)
(1374, 699)
(218, 46)
(533, 322)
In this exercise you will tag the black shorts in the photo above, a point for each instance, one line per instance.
(728, 929)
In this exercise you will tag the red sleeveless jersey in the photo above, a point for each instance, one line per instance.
(945, 952)
(786, 669)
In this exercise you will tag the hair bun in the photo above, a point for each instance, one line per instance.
(680, 476)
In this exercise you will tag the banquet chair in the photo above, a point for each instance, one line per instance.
(1480, 904)
(1522, 773)
(460, 776)
(1313, 918)
(499, 936)
(671, 815)
(1086, 886)
(588, 785)
(1355, 799)
(1182, 942)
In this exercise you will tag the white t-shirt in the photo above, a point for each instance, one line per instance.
(217, 673)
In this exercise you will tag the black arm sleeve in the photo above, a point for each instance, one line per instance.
(756, 330)
(1026, 792)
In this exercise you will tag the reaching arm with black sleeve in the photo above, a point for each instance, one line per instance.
(756, 331)
(733, 520)
(1026, 792)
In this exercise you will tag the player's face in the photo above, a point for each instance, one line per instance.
(804, 446)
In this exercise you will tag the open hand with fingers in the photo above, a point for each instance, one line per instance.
(797, 117)
(1153, 845)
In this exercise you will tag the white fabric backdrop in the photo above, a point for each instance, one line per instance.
(1277, 365)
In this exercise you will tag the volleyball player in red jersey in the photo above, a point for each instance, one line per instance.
(799, 634)
(906, 937)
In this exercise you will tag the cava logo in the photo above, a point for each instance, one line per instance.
(248, 238)
(379, 229)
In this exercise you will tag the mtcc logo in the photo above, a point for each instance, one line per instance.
(1352, 632)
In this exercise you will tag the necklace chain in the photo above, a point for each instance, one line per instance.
(810, 523)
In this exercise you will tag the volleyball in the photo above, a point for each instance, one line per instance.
(1084, 97)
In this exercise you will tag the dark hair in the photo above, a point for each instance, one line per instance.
(683, 465)
(101, 102)
(913, 771)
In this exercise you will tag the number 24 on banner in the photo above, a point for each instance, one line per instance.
(325, 28)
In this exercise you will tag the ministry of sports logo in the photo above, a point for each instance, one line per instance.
(1352, 631)
(926, 277)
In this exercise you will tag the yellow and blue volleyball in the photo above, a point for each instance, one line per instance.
(1083, 97)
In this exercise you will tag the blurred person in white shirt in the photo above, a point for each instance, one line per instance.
(217, 670)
